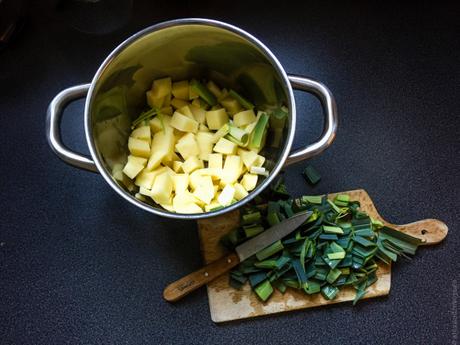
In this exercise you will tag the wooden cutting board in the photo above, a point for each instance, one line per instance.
(228, 304)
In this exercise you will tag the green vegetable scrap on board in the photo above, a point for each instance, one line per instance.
(337, 246)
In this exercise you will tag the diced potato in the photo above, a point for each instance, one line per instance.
(140, 197)
(161, 87)
(155, 124)
(225, 146)
(232, 169)
(134, 166)
(205, 142)
(139, 147)
(180, 89)
(186, 202)
(162, 148)
(231, 105)
(215, 119)
(142, 133)
(240, 192)
(187, 112)
(183, 123)
(178, 103)
(199, 114)
(197, 174)
(180, 183)
(145, 179)
(162, 188)
(203, 128)
(191, 164)
(244, 118)
(187, 146)
(226, 196)
(215, 161)
(204, 189)
(249, 181)
(214, 89)
(177, 166)
(154, 102)
(248, 157)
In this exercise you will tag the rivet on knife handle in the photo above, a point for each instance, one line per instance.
(193, 281)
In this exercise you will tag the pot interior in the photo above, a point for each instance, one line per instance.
(181, 51)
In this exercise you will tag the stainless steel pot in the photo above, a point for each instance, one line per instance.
(182, 49)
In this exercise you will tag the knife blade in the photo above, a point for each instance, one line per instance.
(193, 281)
(271, 235)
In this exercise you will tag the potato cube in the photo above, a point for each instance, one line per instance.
(161, 87)
(166, 110)
(180, 89)
(145, 179)
(199, 114)
(186, 111)
(215, 161)
(134, 166)
(225, 146)
(186, 202)
(226, 196)
(154, 102)
(142, 133)
(191, 164)
(138, 147)
(244, 118)
(180, 183)
(155, 159)
(183, 123)
(155, 125)
(204, 189)
(249, 181)
(216, 118)
(231, 105)
(232, 169)
(248, 157)
(259, 161)
(178, 103)
(240, 192)
(162, 188)
(205, 142)
(187, 146)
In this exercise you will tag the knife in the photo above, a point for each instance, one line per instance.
(193, 281)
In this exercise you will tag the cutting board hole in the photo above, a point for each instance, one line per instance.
(424, 231)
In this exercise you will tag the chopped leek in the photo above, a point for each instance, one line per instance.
(311, 175)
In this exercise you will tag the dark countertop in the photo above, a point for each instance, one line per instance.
(79, 265)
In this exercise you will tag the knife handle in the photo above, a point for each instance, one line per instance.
(175, 291)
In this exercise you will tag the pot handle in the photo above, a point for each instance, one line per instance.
(53, 128)
(331, 120)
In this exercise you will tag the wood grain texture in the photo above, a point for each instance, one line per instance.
(228, 304)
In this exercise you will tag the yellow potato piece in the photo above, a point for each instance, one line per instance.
(180, 183)
(204, 189)
(205, 142)
(162, 188)
(191, 164)
(199, 114)
(244, 118)
(187, 146)
(249, 181)
(225, 146)
(215, 160)
(183, 123)
(180, 89)
(179, 103)
(240, 192)
(142, 133)
(215, 119)
(138, 147)
(134, 166)
(161, 87)
(232, 169)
